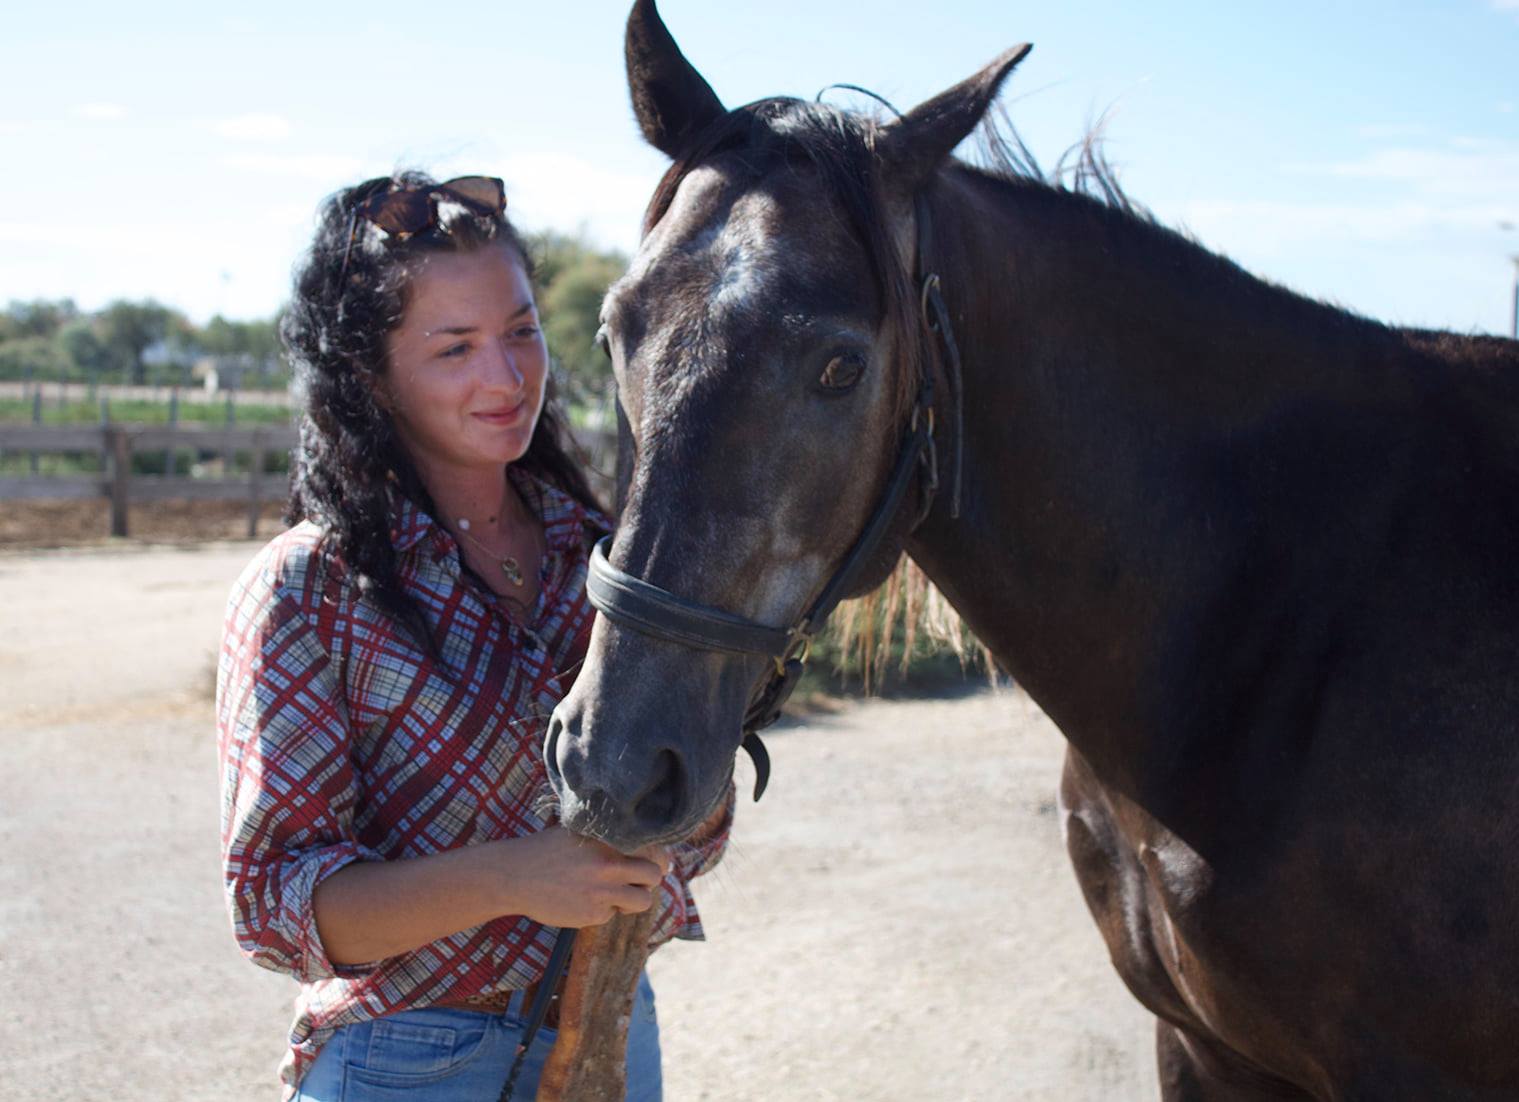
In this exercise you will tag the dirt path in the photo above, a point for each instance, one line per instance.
(896, 920)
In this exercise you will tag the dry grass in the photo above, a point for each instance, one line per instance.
(42, 524)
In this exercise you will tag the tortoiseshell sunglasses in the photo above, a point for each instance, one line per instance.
(412, 210)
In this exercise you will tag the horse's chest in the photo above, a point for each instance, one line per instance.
(1312, 966)
(1192, 949)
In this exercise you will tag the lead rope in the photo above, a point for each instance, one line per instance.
(558, 958)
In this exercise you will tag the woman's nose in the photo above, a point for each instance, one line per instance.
(504, 369)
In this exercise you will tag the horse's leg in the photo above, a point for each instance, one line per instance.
(1193, 1069)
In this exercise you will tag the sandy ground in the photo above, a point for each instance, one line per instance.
(895, 921)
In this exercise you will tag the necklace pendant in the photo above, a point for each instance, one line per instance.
(512, 571)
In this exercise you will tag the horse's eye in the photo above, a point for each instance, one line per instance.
(843, 371)
(604, 342)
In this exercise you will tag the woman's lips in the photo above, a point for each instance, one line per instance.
(504, 415)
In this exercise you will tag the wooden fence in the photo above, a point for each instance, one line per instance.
(115, 444)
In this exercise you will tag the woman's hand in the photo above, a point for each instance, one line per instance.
(563, 879)
(372, 910)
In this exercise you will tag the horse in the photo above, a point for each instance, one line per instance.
(1251, 553)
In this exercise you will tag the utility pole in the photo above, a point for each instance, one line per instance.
(1513, 325)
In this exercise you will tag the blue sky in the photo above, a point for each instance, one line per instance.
(1362, 152)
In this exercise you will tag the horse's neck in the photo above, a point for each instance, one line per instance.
(1114, 381)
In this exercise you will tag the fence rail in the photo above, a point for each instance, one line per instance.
(115, 444)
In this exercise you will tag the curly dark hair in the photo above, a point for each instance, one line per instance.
(350, 292)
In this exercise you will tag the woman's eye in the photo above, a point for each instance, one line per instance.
(843, 371)
(454, 351)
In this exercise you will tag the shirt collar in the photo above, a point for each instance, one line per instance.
(409, 524)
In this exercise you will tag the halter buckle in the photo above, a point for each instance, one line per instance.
(930, 296)
(798, 647)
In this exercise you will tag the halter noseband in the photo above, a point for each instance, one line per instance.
(649, 610)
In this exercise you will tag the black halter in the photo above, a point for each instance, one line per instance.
(635, 604)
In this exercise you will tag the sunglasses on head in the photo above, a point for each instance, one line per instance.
(411, 210)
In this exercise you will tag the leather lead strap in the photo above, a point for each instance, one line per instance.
(559, 958)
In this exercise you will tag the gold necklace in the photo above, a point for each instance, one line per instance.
(509, 565)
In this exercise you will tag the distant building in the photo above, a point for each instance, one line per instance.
(238, 371)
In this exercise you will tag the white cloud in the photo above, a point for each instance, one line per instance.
(563, 191)
(1475, 169)
(100, 112)
(332, 170)
(255, 127)
(1386, 130)
(1279, 227)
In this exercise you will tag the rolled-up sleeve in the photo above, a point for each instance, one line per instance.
(287, 775)
(677, 913)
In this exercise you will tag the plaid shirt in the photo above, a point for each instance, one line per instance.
(341, 740)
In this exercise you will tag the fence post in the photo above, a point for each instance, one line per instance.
(255, 476)
(36, 420)
(169, 471)
(121, 473)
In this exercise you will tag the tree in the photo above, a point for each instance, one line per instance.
(38, 318)
(31, 358)
(85, 351)
(128, 329)
(573, 278)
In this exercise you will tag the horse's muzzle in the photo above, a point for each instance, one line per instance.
(624, 798)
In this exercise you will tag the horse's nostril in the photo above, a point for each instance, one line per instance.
(663, 801)
(551, 750)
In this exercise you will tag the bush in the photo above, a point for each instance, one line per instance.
(32, 358)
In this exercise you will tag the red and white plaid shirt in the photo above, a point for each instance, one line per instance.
(341, 740)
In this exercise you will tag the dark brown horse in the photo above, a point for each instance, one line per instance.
(1254, 555)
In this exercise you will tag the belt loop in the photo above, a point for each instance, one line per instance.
(514, 1007)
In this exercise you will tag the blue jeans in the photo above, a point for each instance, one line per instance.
(437, 1055)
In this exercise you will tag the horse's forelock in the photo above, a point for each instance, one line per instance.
(840, 146)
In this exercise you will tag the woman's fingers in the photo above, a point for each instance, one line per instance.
(630, 899)
(641, 871)
(660, 855)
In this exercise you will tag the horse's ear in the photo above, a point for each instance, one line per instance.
(672, 101)
(916, 145)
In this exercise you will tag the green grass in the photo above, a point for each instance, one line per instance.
(18, 464)
(141, 412)
(137, 412)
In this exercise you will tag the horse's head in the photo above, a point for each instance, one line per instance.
(767, 347)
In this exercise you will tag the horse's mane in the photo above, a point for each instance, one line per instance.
(840, 146)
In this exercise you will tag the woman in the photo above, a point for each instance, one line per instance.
(389, 664)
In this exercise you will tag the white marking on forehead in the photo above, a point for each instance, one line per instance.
(743, 251)
(740, 279)
(735, 238)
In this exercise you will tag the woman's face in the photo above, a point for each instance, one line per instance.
(467, 365)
